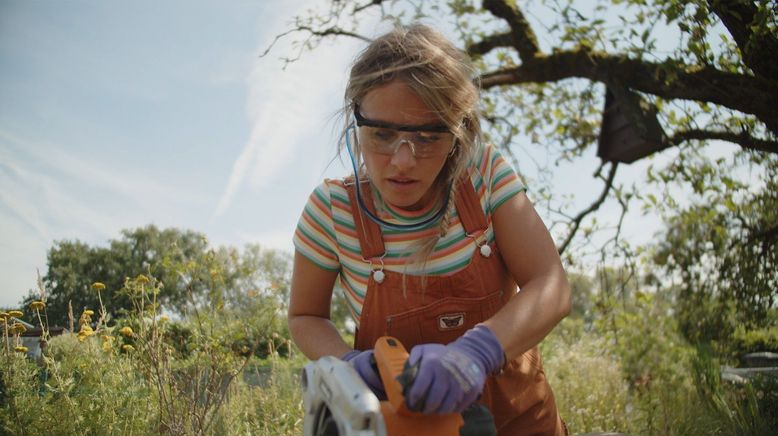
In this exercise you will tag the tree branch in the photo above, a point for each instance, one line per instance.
(742, 139)
(332, 31)
(522, 35)
(322, 33)
(759, 49)
(489, 43)
(576, 222)
(748, 94)
(366, 5)
(767, 235)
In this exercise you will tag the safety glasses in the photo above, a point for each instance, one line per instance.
(424, 141)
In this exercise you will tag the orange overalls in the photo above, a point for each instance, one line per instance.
(519, 397)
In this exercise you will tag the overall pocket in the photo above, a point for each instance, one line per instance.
(442, 321)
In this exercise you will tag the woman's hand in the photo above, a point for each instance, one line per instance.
(449, 378)
(365, 365)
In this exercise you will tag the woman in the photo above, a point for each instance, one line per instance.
(430, 238)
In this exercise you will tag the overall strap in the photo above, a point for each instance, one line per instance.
(469, 208)
(371, 240)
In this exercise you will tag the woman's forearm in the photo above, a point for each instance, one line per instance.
(530, 315)
(316, 336)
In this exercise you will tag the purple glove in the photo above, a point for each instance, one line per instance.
(365, 364)
(451, 377)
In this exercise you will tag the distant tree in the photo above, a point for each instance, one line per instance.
(193, 275)
(256, 274)
(582, 293)
(74, 266)
(723, 256)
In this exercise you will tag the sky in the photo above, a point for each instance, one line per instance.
(116, 115)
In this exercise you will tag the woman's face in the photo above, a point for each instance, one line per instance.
(403, 180)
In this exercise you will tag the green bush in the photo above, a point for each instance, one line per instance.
(745, 341)
(79, 389)
(144, 374)
(631, 371)
(587, 381)
(731, 408)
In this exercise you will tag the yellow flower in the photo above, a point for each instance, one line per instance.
(107, 346)
(164, 318)
(126, 331)
(5, 315)
(20, 349)
(2, 320)
(142, 279)
(98, 286)
(37, 305)
(82, 336)
(89, 312)
(127, 348)
(18, 328)
(16, 313)
(107, 338)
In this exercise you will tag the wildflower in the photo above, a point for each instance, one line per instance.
(5, 315)
(18, 328)
(98, 286)
(107, 338)
(142, 279)
(85, 332)
(107, 346)
(16, 313)
(20, 349)
(164, 318)
(127, 348)
(126, 331)
(89, 312)
(37, 305)
(87, 329)
(2, 320)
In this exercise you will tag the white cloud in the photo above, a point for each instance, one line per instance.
(89, 172)
(275, 239)
(285, 107)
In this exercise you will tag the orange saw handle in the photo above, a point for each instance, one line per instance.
(390, 356)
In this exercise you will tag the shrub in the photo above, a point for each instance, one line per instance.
(590, 391)
(745, 341)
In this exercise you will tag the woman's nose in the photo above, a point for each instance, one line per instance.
(404, 157)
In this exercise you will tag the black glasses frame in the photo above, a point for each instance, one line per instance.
(362, 121)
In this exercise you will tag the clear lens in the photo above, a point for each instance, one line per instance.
(386, 141)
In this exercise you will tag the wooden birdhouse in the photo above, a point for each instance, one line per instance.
(630, 129)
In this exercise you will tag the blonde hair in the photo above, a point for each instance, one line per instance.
(442, 76)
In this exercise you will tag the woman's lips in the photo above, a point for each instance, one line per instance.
(402, 183)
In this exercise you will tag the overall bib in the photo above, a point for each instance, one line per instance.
(439, 309)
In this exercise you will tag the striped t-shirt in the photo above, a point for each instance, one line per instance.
(326, 234)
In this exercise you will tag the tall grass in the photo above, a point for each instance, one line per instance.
(144, 374)
(628, 371)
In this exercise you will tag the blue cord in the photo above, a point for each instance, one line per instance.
(376, 219)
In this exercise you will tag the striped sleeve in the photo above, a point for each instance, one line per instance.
(500, 177)
(314, 237)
